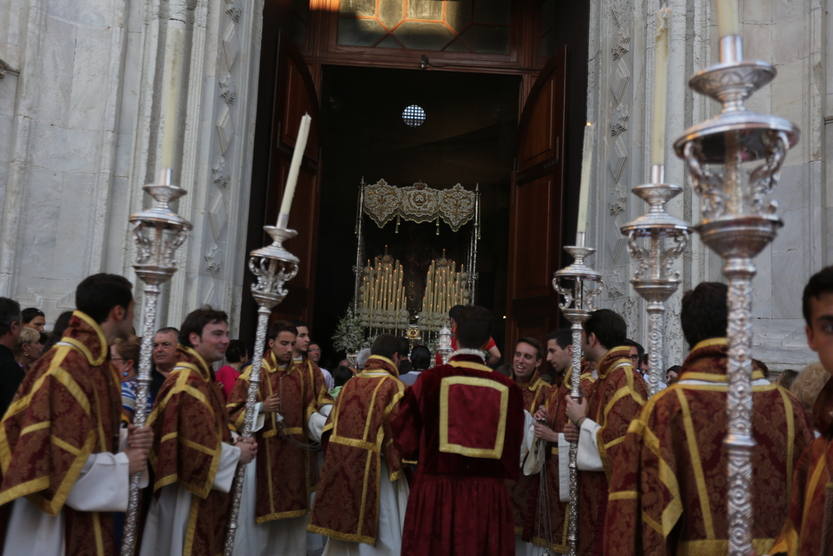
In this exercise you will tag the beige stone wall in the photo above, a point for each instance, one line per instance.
(791, 34)
(83, 120)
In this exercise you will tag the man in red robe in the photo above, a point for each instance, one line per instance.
(668, 491)
(600, 421)
(526, 372)
(362, 493)
(194, 461)
(808, 530)
(549, 419)
(278, 488)
(60, 465)
(464, 425)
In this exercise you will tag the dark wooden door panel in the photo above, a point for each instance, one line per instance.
(300, 98)
(539, 143)
(293, 95)
(532, 210)
(537, 205)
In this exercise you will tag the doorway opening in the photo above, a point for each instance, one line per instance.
(466, 134)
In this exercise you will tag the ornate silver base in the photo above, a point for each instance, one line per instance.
(738, 222)
(273, 266)
(578, 285)
(655, 242)
(158, 232)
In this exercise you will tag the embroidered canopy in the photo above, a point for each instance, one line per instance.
(419, 203)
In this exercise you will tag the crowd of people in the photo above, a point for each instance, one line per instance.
(400, 453)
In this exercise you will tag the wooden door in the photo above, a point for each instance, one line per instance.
(536, 208)
(286, 92)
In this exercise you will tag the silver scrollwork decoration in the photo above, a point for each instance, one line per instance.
(273, 266)
(737, 226)
(158, 232)
(655, 242)
(577, 285)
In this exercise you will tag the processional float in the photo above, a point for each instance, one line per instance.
(738, 222)
(577, 285)
(380, 300)
(273, 266)
(158, 232)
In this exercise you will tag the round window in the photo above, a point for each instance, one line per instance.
(413, 115)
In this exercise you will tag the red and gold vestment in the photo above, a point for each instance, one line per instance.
(358, 437)
(805, 529)
(283, 462)
(314, 377)
(668, 489)
(66, 409)
(615, 400)
(556, 408)
(524, 489)
(464, 424)
(190, 423)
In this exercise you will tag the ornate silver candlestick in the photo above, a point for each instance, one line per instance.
(578, 285)
(444, 343)
(738, 222)
(655, 241)
(158, 232)
(273, 266)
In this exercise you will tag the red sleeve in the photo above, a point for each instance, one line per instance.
(406, 424)
(227, 376)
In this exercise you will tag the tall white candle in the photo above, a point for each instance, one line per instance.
(728, 22)
(660, 88)
(584, 191)
(294, 169)
(174, 75)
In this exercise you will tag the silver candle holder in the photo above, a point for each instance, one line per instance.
(578, 285)
(655, 241)
(738, 222)
(273, 266)
(158, 232)
(444, 343)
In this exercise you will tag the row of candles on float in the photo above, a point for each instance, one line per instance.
(382, 291)
(445, 287)
(382, 288)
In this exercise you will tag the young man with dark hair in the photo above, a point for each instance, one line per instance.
(809, 521)
(33, 318)
(314, 355)
(560, 351)
(194, 460)
(489, 346)
(353, 505)
(526, 372)
(318, 412)
(464, 423)
(674, 459)
(300, 358)
(11, 374)
(302, 341)
(276, 495)
(420, 361)
(600, 421)
(61, 465)
(550, 450)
